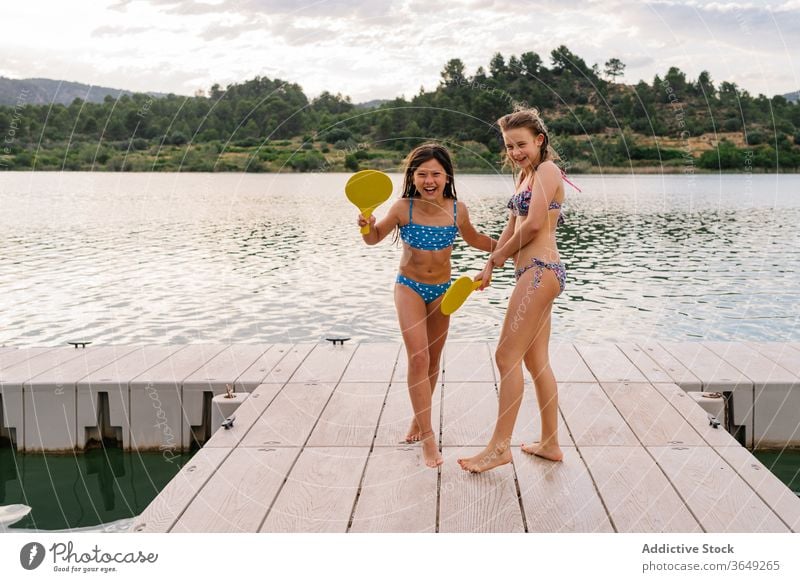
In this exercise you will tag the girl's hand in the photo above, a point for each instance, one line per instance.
(485, 276)
(362, 222)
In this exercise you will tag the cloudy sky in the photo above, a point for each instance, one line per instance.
(383, 49)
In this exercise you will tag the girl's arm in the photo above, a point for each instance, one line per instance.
(548, 177)
(379, 229)
(471, 236)
(508, 231)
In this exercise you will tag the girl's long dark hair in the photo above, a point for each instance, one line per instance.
(418, 156)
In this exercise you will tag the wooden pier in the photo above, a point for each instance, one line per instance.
(317, 445)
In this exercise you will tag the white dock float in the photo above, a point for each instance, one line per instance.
(316, 446)
(110, 385)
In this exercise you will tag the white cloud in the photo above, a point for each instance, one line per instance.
(384, 48)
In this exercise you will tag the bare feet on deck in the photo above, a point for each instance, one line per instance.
(413, 435)
(549, 452)
(430, 450)
(489, 458)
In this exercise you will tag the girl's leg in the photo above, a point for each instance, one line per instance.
(437, 326)
(527, 309)
(412, 315)
(537, 360)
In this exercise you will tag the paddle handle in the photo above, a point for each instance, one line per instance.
(366, 213)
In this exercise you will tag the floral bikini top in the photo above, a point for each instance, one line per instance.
(521, 201)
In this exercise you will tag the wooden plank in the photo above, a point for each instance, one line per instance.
(469, 412)
(568, 365)
(46, 359)
(239, 494)
(257, 373)
(320, 491)
(14, 357)
(695, 416)
(783, 501)
(398, 493)
(397, 415)
(591, 417)
(714, 373)
(290, 418)
(246, 415)
(477, 503)
(717, 496)
(646, 365)
(609, 364)
(351, 417)
(781, 353)
(529, 422)
(170, 503)
(637, 495)
(468, 362)
(761, 370)
(372, 363)
(288, 364)
(224, 368)
(559, 497)
(678, 373)
(651, 417)
(325, 363)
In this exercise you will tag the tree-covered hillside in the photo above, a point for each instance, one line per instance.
(672, 124)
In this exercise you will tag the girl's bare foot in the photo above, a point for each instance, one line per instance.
(430, 450)
(549, 452)
(489, 458)
(413, 435)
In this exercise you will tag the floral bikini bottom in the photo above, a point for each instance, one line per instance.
(539, 266)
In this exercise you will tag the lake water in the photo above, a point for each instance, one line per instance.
(180, 258)
(73, 491)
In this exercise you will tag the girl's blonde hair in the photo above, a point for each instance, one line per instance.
(528, 117)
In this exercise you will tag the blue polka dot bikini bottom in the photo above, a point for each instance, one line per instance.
(558, 270)
(427, 291)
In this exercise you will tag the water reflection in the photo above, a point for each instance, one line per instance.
(69, 491)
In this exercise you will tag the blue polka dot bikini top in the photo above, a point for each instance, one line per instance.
(428, 238)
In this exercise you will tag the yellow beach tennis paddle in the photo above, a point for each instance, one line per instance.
(368, 189)
(457, 294)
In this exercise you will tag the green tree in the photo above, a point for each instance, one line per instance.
(453, 73)
(614, 68)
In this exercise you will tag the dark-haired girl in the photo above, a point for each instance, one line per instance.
(428, 217)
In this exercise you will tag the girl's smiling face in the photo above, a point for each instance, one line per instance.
(430, 179)
(523, 147)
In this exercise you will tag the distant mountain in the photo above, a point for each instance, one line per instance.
(793, 97)
(371, 104)
(46, 91)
